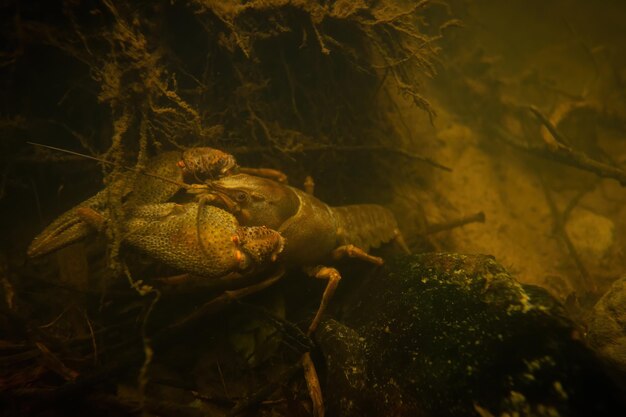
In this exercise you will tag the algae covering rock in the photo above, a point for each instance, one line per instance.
(454, 335)
(607, 325)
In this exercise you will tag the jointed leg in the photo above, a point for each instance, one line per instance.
(313, 384)
(333, 277)
(229, 296)
(399, 240)
(355, 252)
(310, 375)
(309, 185)
(272, 174)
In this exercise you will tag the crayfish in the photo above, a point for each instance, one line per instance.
(163, 176)
(241, 225)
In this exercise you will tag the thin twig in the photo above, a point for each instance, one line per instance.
(259, 396)
(561, 153)
(292, 89)
(440, 227)
(559, 227)
(93, 339)
(52, 362)
(55, 320)
(219, 370)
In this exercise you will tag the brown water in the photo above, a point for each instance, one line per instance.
(518, 112)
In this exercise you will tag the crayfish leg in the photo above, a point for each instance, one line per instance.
(228, 296)
(272, 174)
(309, 185)
(313, 384)
(398, 239)
(355, 252)
(180, 279)
(333, 277)
(310, 375)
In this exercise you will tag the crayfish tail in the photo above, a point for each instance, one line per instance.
(365, 225)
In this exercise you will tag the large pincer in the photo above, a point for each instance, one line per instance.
(71, 227)
(64, 230)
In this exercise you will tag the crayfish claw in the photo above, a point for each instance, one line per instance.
(204, 163)
(261, 243)
(65, 232)
(66, 229)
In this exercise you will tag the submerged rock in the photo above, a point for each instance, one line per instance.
(607, 325)
(455, 335)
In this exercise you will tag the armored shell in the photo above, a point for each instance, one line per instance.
(69, 227)
(201, 240)
(311, 228)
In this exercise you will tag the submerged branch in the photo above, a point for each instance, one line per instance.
(566, 156)
(453, 224)
(559, 220)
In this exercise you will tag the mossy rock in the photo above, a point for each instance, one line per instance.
(607, 326)
(456, 335)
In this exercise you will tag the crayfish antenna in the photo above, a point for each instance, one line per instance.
(115, 164)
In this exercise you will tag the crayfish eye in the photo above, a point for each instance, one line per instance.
(241, 197)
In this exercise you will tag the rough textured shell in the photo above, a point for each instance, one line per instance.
(364, 225)
(168, 232)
